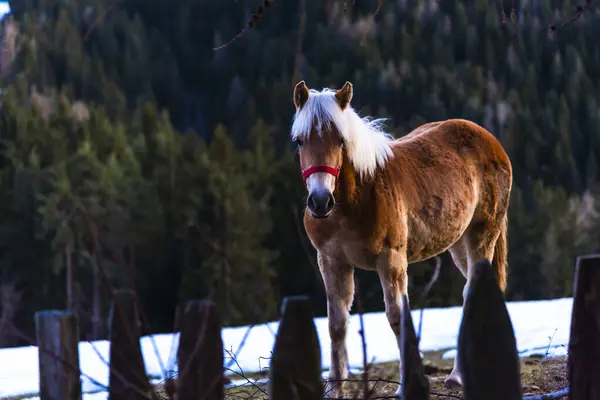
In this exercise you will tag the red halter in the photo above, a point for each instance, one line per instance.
(319, 168)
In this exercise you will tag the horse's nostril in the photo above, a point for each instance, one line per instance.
(320, 202)
(310, 201)
(315, 204)
(330, 202)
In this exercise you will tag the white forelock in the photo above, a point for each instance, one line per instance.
(367, 144)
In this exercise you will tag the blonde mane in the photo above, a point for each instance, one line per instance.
(368, 146)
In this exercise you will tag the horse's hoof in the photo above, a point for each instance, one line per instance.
(453, 381)
(335, 392)
(398, 393)
(334, 389)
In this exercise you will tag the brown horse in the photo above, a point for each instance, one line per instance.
(380, 203)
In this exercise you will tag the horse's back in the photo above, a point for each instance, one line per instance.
(453, 145)
(482, 154)
(460, 135)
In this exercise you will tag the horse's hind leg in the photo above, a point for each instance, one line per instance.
(477, 243)
(459, 252)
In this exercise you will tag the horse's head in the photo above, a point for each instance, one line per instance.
(318, 137)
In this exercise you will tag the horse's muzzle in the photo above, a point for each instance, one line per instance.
(320, 202)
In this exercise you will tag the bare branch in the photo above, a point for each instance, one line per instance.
(241, 373)
(361, 311)
(10, 299)
(301, 30)
(581, 8)
(379, 4)
(258, 14)
(97, 21)
(550, 396)
(32, 342)
(434, 278)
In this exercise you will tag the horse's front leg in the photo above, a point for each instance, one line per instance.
(392, 269)
(338, 277)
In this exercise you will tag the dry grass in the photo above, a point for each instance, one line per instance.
(538, 376)
(543, 375)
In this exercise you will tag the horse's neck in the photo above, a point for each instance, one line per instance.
(351, 188)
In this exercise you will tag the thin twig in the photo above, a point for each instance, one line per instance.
(434, 278)
(173, 351)
(107, 284)
(92, 27)
(241, 345)
(439, 395)
(389, 381)
(184, 369)
(257, 16)
(301, 30)
(145, 321)
(32, 342)
(306, 248)
(581, 8)
(117, 373)
(379, 4)
(502, 13)
(361, 311)
(550, 396)
(96, 250)
(513, 13)
(241, 374)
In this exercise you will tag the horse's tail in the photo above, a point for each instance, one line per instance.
(500, 261)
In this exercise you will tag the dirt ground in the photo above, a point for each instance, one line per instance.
(538, 376)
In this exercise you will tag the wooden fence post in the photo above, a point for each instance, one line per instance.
(200, 353)
(127, 373)
(415, 385)
(487, 347)
(57, 336)
(584, 342)
(295, 368)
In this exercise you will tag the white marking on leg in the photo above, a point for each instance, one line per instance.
(339, 287)
(392, 270)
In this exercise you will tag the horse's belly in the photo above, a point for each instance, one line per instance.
(430, 235)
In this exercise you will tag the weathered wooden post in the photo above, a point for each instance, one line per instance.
(127, 373)
(295, 368)
(57, 336)
(487, 348)
(584, 343)
(200, 353)
(415, 385)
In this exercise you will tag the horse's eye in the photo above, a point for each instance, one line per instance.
(341, 142)
(298, 143)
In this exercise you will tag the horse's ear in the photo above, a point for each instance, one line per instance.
(344, 95)
(300, 94)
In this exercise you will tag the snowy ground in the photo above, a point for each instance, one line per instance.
(4, 9)
(541, 327)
